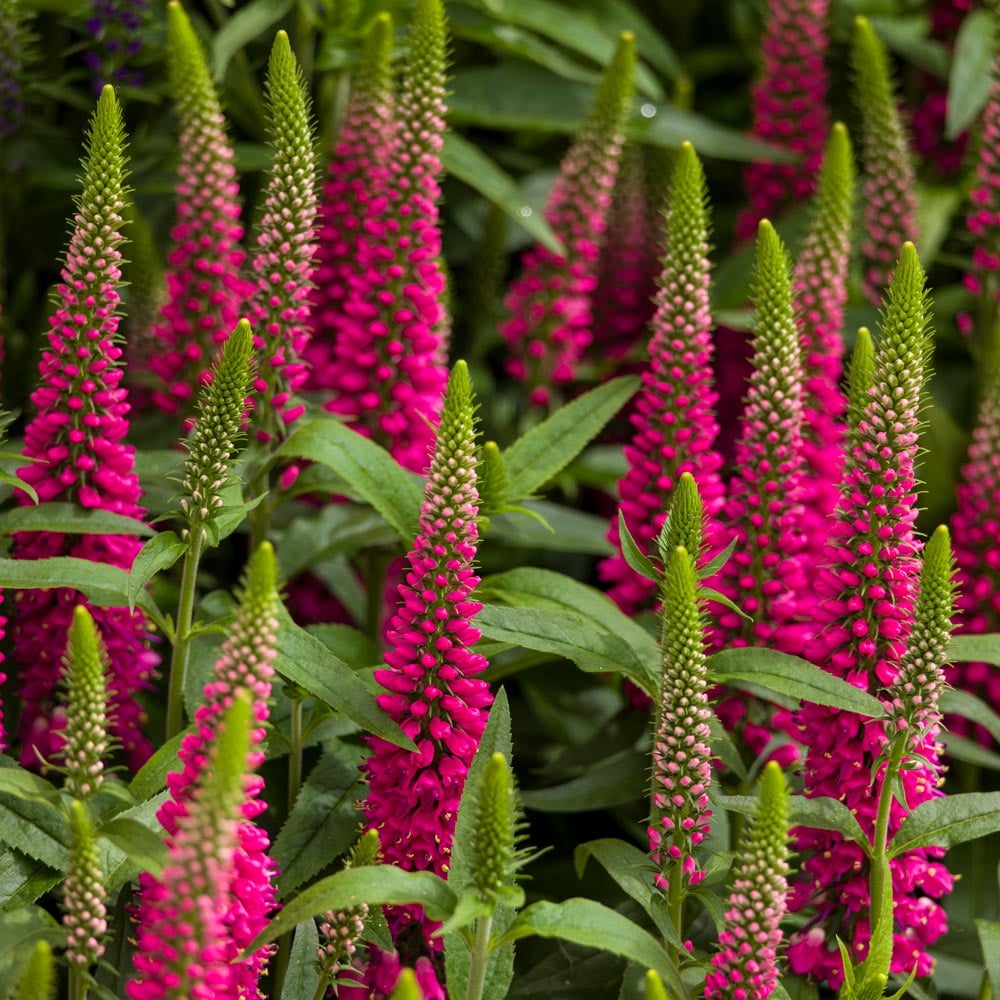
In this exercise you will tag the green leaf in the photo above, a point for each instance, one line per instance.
(34, 827)
(633, 872)
(336, 529)
(564, 530)
(16, 780)
(496, 738)
(302, 659)
(971, 77)
(957, 702)
(302, 975)
(472, 166)
(103, 586)
(970, 751)
(355, 648)
(20, 931)
(243, 27)
(615, 781)
(975, 649)
(989, 941)
(948, 821)
(567, 635)
(158, 554)
(372, 884)
(368, 469)
(791, 676)
(137, 842)
(152, 776)
(119, 865)
(593, 925)
(634, 556)
(323, 822)
(546, 449)
(71, 519)
(23, 879)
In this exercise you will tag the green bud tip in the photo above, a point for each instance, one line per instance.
(38, 979)
(224, 776)
(262, 573)
(655, 990)
(406, 987)
(683, 526)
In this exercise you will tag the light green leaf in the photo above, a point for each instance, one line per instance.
(593, 925)
(23, 879)
(948, 821)
(564, 530)
(302, 659)
(634, 556)
(152, 776)
(548, 448)
(372, 884)
(975, 649)
(957, 702)
(141, 845)
(368, 469)
(791, 676)
(158, 554)
(71, 519)
(970, 78)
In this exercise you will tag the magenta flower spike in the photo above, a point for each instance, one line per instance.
(184, 946)
(674, 420)
(283, 258)
(432, 684)
(246, 892)
(789, 108)
(387, 370)
(889, 185)
(820, 291)
(77, 439)
(975, 526)
(628, 265)
(865, 614)
(550, 305)
(205, 292)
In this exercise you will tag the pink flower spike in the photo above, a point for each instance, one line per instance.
(77, 441)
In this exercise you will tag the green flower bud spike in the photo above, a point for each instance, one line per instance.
(38, 981)
(655, 990)
(889, 188)
(220, 417)
(495, 858)
(86, 733)
(685, 520)
(746, 962)
(84, 898)
(406, 987)
(860, 381)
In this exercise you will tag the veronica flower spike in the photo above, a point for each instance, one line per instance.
(205, 291)
(674, 418)
(77, 442)
(431, 678)
(789, 107)
(889, 186)
(245, 893)
(549, 305)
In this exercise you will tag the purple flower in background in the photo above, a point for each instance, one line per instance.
(114, 25)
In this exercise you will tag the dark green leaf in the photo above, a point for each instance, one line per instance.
(989, 941)
(546, 449)
(588, 923)
(71, 519)
(565, 530)
(302, 977)
(117, 864)
(243, 27)
(137, 842)
(302, 659)
(372, 884)
(620, 15)
(970, 78)
(472, 166)
(970, 751)
(35, 828)
(368, 469)
(618, 780)
(23, 879)
(152, 776)
(323, 822)
(907, 36)
(158, 554)
(333, 530)
(791, 676)
(634, 556)
(948, 821)
(567, 635)
(352, 645)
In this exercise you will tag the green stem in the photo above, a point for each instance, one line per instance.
(77, 984)
(295, 755)
(479, 959)
(880, 863)
(675, 906)
(321, 989)
(182, 635)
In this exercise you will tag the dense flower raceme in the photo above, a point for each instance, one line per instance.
(205, 292)
(550, 304)
(674, 420)
(789, 108)
(246, 893)
(282, 261)
(114, 26)
(434, 692)
(820, 291)
(976, 529)
(84, 894)
(746, 964)
(865, 616)
(77, 441)
(889, 186)
(381, 297)
(183, 943)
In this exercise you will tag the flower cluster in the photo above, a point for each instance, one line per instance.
(789, 108)
(550, 305)
(76, 442)
(114, 27)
